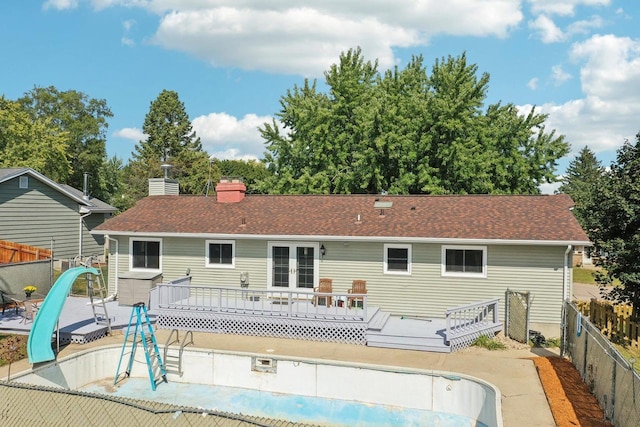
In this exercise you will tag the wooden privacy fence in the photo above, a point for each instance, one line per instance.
(614, 321)
(11, 252)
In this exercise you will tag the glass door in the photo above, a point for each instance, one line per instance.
(293, 265)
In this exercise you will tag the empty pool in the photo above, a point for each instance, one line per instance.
(295, 389)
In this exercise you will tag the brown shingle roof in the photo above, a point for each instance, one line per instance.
(483, 217)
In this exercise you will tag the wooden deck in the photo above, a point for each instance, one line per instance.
(280, 314)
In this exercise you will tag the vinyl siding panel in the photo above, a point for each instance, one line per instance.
(38, 214)
(425, 292)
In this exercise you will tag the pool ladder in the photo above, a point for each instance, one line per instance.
(155, 365)
(173, 354)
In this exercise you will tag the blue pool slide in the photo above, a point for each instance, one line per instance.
(39, 343)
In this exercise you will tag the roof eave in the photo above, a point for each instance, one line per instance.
(329, 238)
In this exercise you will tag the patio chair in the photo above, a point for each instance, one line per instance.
(325, 287)
(29, 313)
(357, 287)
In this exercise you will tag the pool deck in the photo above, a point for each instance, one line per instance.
(512, 371)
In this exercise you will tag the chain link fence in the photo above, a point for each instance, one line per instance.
(610, 378)
(30, 405)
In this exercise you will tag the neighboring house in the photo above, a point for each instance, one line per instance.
(37, 211)
(419, 254)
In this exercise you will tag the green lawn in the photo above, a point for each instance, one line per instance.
(583, 275)
(80, 285)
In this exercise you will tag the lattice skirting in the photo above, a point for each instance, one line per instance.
(262, 326)
(465, 340)
(82, 338)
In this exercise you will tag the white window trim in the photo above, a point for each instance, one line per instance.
(224, 242)
(23, 182)
(445, 273)
(388, 246)
(144, 239)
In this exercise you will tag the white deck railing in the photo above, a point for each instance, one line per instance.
(468, 322)
(281, 303)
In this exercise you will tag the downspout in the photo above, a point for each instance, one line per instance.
(565, 281)
(82, 217)
(565, 285)
(115, 280)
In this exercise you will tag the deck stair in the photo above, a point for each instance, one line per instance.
(142, 335)
(406, 333)
(173, 353)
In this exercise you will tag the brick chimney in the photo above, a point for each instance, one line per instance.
(230, 190)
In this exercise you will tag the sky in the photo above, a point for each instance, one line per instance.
(231, 61)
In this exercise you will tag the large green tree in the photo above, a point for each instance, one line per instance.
(405, 131)
(172, 140)
(616, 211)
(581, 181)
(38, 143)
(84, 120)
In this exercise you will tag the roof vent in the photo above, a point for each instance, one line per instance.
(382, 205)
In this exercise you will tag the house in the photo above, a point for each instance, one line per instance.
(37, 211)
(419, 254)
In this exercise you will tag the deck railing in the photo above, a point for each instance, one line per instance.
(281, 303)
(468, 322)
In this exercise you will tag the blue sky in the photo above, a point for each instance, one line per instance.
(230, 61)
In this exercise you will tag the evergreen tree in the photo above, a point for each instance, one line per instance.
(616, 211)
(581, 181)
(170, 140)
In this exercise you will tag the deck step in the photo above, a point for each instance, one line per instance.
(441, 348)
(378, 321)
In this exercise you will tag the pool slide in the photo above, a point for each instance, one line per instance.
(39, 343)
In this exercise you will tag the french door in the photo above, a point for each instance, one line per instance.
(293, 265)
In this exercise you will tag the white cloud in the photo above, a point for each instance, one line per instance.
(133, 134)
(533, 83)
(305, 37)
(546, 29)
(547, 188)
(584, 26)
(563, 7)
(610, 79)
(558, 75)
(225, 136)
(60, 4)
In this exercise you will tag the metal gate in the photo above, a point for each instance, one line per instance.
(518, 307)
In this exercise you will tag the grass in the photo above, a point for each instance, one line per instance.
(585, 275)
(628, 354)
(489, 343)
(79, 287)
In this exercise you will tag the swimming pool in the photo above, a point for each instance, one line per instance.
(295, 389)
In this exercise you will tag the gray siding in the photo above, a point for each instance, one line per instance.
(423, 293)
(38, 214)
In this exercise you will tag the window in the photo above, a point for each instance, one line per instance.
(145, 254)
(24, 182)
(221, 253)
(464, 261)
(397, 259)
